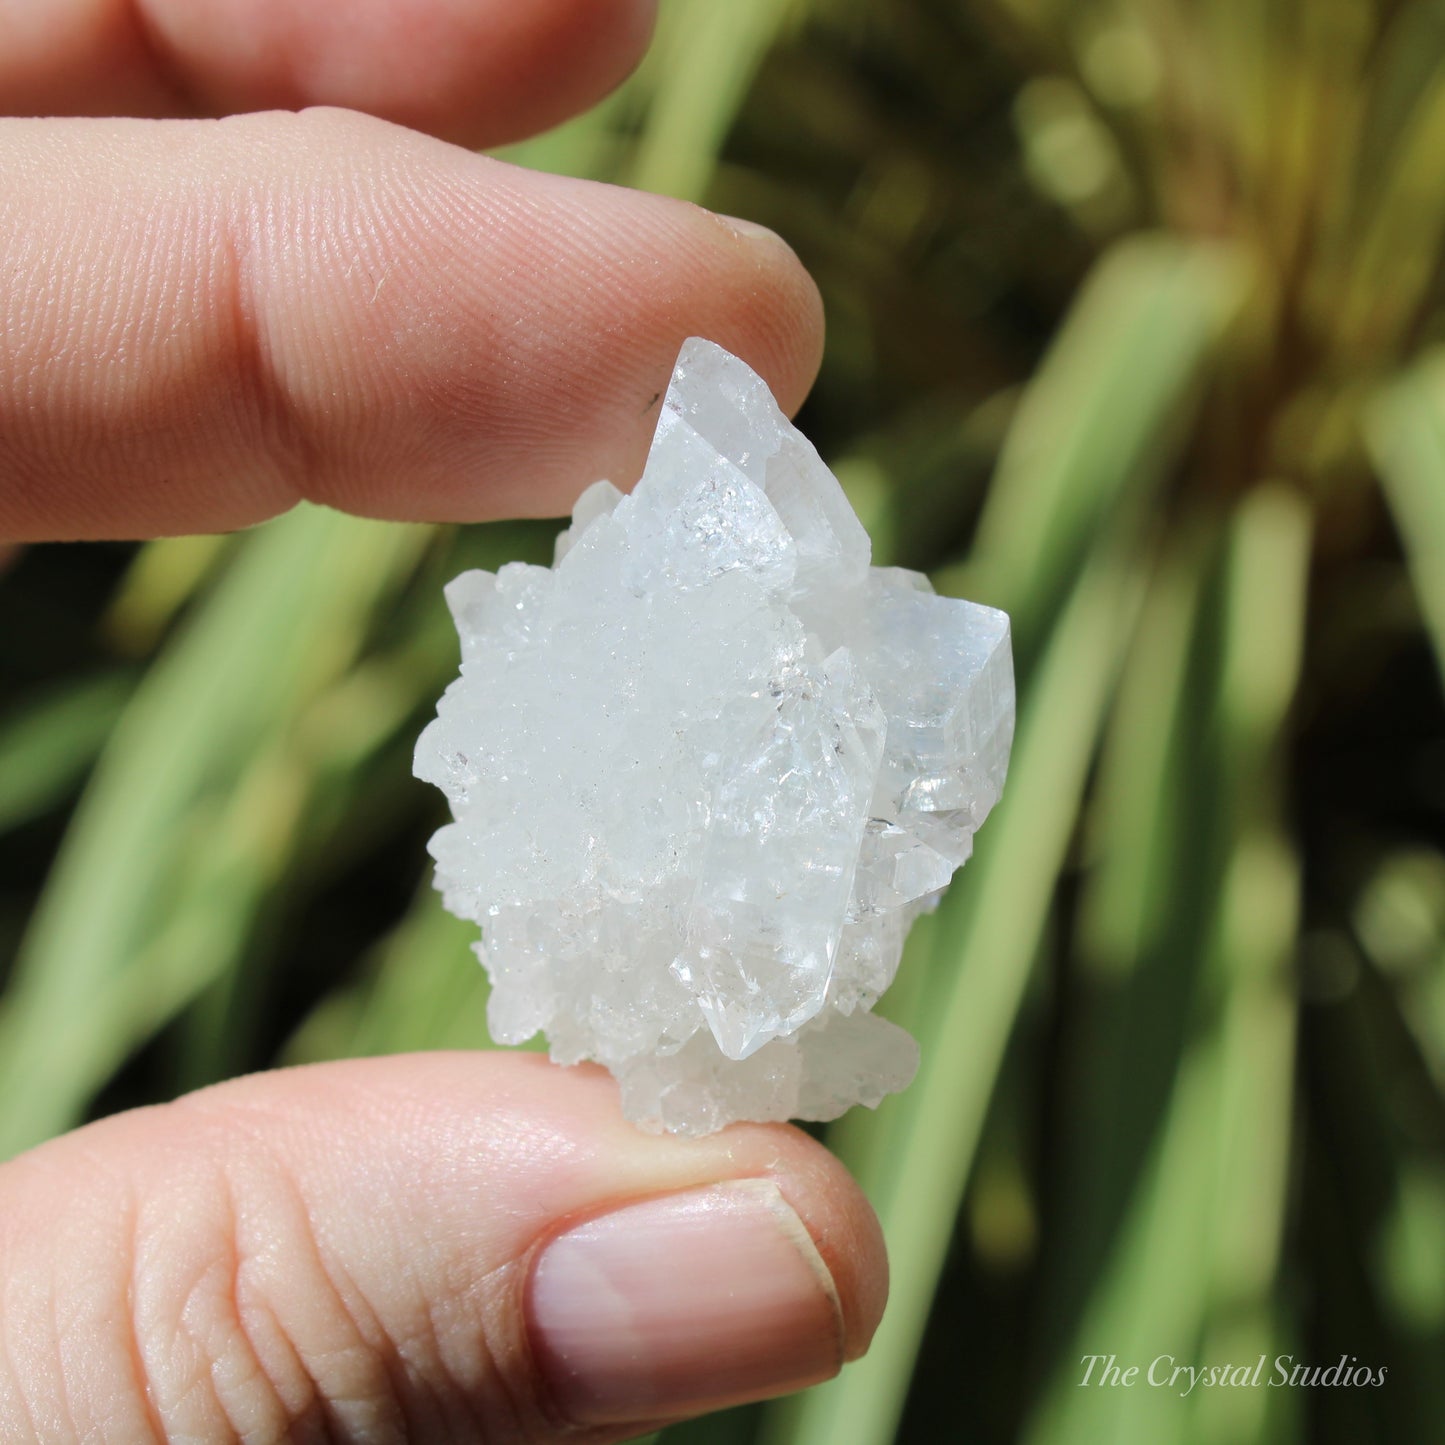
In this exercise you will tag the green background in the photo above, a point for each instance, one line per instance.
(1132, 312)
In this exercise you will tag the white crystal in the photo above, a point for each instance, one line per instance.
(707, 769)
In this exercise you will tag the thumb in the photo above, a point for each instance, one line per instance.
(427, 1248)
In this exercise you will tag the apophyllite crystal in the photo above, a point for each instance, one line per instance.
(708, 767)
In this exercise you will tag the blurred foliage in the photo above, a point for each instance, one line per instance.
(1134, 308)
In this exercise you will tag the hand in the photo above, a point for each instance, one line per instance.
(202, 321)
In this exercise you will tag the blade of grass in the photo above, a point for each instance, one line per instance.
(239, 852)
(1149, 1301)
(161, 580)
(1405, 427)
(1406, 59)
(287, 615)
(1259, 918)
(1129, 1003)
(424, 990)
(1253, 952)
(1099, 412)
(47, 743)
(700, 66)
(1396, 253)
(1193, 1264)
(1132, 847)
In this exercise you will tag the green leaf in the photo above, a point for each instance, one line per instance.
(1405, 427)
(47, 743)
(1192, 1264)
(425, 990)
(1401, 218)
(1095, 420)
(1133, 842)
(285, 619)
(1143, 889)
(700, 65)
(162, 579)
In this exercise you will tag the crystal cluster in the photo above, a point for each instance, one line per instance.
(707, 768)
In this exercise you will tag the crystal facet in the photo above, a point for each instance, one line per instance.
(707, 768)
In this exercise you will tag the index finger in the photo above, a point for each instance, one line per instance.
(205, 321)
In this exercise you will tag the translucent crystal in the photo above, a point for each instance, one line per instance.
(707, 768)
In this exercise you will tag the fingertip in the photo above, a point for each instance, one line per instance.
(789, 354)
(640, 273)
(841, 1223)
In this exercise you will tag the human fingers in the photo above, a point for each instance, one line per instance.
(432, 1247)
(476, 71)
(202, 322)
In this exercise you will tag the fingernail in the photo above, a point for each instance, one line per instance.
(684, 1304)
(750, 230)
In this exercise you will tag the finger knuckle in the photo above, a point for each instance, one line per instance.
(240, 1330)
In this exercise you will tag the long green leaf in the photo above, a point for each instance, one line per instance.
(1193, 1264)
(286, 617)
(1405, 427)
(700, 67)
(47, 743)
(426, 991)
(1147, 853)
(1253, 949)
(1098, 413)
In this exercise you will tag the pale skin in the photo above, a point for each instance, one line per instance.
(203, 320)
